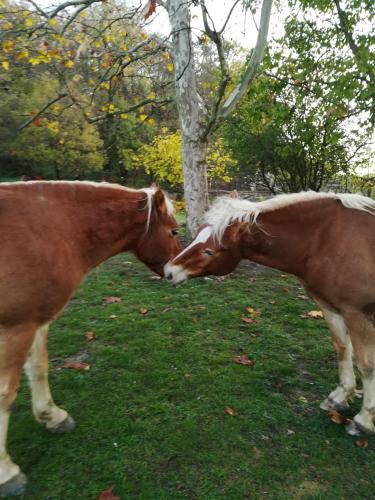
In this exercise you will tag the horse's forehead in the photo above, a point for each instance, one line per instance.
(203, 235)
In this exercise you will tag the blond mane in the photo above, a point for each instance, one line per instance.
(226, 210)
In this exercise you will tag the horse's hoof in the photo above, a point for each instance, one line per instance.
(329, 404)
(14, 486)
(66, 425)
(353, 428)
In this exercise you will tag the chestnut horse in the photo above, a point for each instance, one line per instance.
(327, 240)
(52, 235)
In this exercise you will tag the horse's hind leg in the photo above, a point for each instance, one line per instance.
(338, 398)
(362, 332)
(36, 367)
(14, 345)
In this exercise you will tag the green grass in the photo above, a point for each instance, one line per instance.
(151, 415)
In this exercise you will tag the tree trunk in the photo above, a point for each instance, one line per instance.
(187, 100)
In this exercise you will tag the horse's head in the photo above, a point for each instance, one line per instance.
(159, 243)
(207, 254)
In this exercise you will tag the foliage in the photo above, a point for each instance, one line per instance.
(162, 159)
(60, 144)
(308, 118)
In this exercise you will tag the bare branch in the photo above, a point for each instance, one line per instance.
(40, 112)
(159, 102)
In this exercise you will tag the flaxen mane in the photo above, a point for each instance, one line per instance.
(227, 210)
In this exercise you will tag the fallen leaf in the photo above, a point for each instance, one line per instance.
(108, 495)
(167, 309)
(112, 300)
(337, 418)
(155, 277)
(253, 312)
(285, 289)
(243, 360)
(290, 432)
(303, 297)
(272, 301)
(143, 311)
(245, 319)
(230, 411)
(315, 314)
(77, 365)
(283, 275)
(361, 443)
(113, 316)
(89, 336)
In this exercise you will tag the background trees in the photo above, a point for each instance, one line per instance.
(91, 90)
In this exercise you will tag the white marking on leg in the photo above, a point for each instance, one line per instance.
(365, 417)
(7, 468)
(343, 343)
(36, 368)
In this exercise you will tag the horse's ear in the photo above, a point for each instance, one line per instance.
(159, 203)
(236, 232)
(234, 194)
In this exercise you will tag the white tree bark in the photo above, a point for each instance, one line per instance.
(187, 100)
(194, 130)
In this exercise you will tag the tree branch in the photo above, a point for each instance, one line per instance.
(40, 112)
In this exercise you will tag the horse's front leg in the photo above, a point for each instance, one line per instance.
(36, 367)
(338, 398)
(15, 342)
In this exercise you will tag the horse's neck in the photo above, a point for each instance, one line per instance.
(286, 238)
(101, 221)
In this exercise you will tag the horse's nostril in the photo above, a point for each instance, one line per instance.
(169, 276)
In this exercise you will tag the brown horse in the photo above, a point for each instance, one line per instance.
(328, 242)
(52, 235)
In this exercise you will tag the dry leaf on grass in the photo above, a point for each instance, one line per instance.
(112, 300)
(143, 311)
(312, 314)
(361, 443)
(243, 360)
(108, 495)
(89, 336)
(337, 418)
(230, 411)
(245, 319)
(77, 365)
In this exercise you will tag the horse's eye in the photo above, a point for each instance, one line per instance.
(209, 252)
(174, 232)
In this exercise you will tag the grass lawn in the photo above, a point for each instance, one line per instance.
(150, 412)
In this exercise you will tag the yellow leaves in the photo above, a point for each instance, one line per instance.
(34, 61)
(97, 44)
(151, 121)
(111, 108)
(7, 25)
(166, 55)
(29, 22)
(144, 36)
(142, 117)
(5, 65)
(52, 22)
(107, 38)
(124, 116)
(68, 64)
(77, 78)
(62, 141)
(104, 85)
(123, 33)
(22, 55)
(56, 108)
(9, 46)
(53, 127)
(170, 67)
